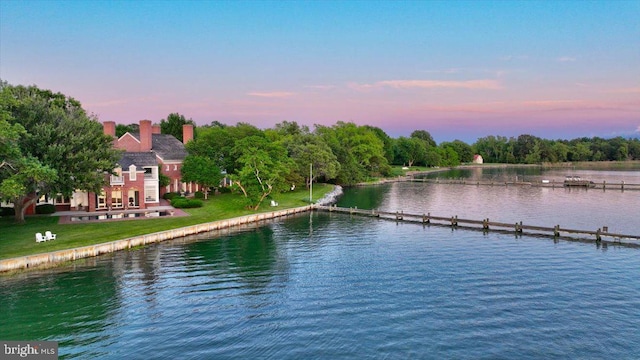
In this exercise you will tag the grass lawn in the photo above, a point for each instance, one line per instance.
(19, 240)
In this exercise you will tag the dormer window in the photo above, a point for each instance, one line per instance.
(132, 172)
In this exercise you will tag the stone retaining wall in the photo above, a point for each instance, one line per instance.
(60, 256)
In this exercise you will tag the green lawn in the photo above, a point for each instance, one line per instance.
(19, 240)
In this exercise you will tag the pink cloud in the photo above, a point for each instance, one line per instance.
(275, 94)
(484, 84)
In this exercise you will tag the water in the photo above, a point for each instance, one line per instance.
(571, 208)
(333, 286)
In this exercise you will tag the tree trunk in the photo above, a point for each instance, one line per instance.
(241, 188)
(264, 195)
(20, 205)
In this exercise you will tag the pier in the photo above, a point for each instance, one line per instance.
(599, 235)
(603, 185)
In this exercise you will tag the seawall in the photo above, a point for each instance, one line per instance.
(61, 256)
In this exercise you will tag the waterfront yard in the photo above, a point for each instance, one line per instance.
(19, 240)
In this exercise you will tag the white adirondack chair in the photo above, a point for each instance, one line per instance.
(40, 238)
(49, 236)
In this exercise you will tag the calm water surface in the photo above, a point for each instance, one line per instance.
(333, 286)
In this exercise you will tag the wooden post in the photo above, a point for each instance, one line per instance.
(519, 227)
(556, 230)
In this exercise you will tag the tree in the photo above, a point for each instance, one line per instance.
(449, 156)
(387, 142)
(201, 170)
(358, 150)
(62, 149)
(409, 151)
(173, 125)
(262, 169)
(464, 150)
(218, 142)
(424, 136)
(313, 150)
(123, 129)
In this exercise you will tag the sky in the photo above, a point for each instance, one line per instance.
(458, 69)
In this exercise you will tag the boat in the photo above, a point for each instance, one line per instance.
(578, 181)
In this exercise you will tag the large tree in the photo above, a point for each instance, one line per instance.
(409, 151)
(217, 143)
(263, 167)
(173, 125)
(62, 149)
(358, 149)
(201, 170)
(305, 149)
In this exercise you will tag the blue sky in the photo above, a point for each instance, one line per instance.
(458, 69)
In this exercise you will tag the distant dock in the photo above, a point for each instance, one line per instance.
(604, 185)
(599, 235)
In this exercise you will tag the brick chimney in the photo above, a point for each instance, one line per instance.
(155, 129)
(109, 128)
(145, 135)
(187, 133)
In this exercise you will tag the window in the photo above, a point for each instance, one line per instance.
(117, 178)
(150, 193)
(132, 172)
(60, 199)
(133, 198)
(148, 173)
(101, 200)
(175, 167)
(167, 167)
(116, 198)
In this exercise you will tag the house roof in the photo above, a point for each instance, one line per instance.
(168, 147)
(139, 159)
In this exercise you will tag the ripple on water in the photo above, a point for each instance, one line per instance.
(341, 287)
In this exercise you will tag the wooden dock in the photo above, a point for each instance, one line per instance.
(600, 234)
(622, 186)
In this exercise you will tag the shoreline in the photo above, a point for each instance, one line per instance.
(58, 257)
(53, 258)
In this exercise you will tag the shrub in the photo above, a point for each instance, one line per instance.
(198, 195)
(224, 189)
(170, 195)
(7, 211)
(45, 209)
(181, 203)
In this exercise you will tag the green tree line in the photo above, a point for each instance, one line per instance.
(49, 144)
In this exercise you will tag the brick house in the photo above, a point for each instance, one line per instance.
(135, 185)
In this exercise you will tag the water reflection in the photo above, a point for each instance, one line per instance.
(60, 306)
(247, 255)
(573, 208)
